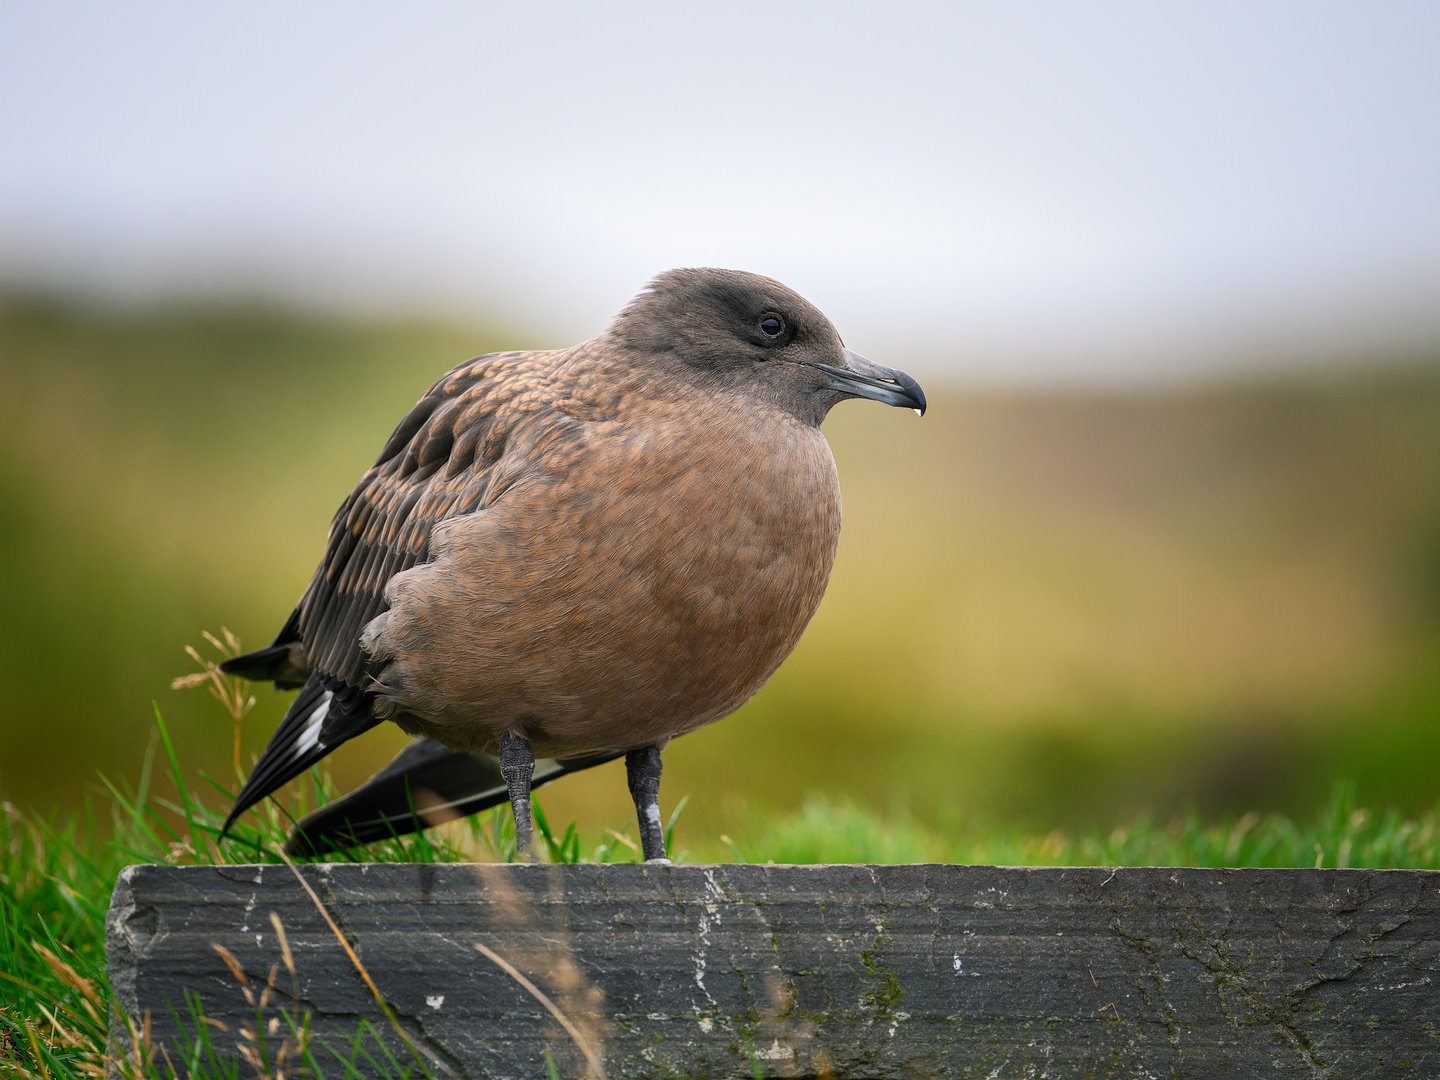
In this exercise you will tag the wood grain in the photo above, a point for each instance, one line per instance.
(851, 971)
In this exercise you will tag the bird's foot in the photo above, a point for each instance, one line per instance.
(517, 766)
(642, 770)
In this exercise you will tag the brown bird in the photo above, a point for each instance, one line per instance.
(585, 552)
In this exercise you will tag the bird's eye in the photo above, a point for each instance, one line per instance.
(771, 326)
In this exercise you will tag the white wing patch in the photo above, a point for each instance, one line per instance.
(311, 735)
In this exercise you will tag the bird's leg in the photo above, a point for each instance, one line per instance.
(517, 766)
(642, 770)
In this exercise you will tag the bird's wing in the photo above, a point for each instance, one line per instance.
(445, 459)
(426, 784)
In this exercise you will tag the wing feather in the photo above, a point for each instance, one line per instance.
(439, 463)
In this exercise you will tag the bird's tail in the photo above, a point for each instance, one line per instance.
(424, 785)
(283, 661)
(325, 714)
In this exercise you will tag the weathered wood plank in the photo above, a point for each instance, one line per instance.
(855, 971)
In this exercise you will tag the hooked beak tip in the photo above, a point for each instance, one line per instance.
(864, 378)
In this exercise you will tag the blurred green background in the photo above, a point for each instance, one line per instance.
(1049, 608)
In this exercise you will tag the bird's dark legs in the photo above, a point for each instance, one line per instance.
(642, 769)
(517, 766)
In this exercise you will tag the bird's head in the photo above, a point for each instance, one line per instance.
(742, 333)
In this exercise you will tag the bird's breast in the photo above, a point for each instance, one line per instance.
(648, 587)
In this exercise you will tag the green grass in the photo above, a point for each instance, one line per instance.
(1342, 834)
(57, 873)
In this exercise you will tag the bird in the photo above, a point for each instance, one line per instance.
(578, 554)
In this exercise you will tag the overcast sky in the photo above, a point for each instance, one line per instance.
(1008, 190)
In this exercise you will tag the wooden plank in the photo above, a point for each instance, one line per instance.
(851, 971)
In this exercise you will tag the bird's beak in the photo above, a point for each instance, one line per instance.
(867, 379)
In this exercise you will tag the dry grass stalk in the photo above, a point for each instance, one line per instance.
(69, 976)
(285, 954)
(419, 1055)
(230, 690)
(74, 1027)
(578, 1011)
(9, 1051)
(137, 1064)
(254, 1050)
(236, 971)
(597, 1070)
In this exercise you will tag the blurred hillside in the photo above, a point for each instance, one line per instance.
(1047, 608)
